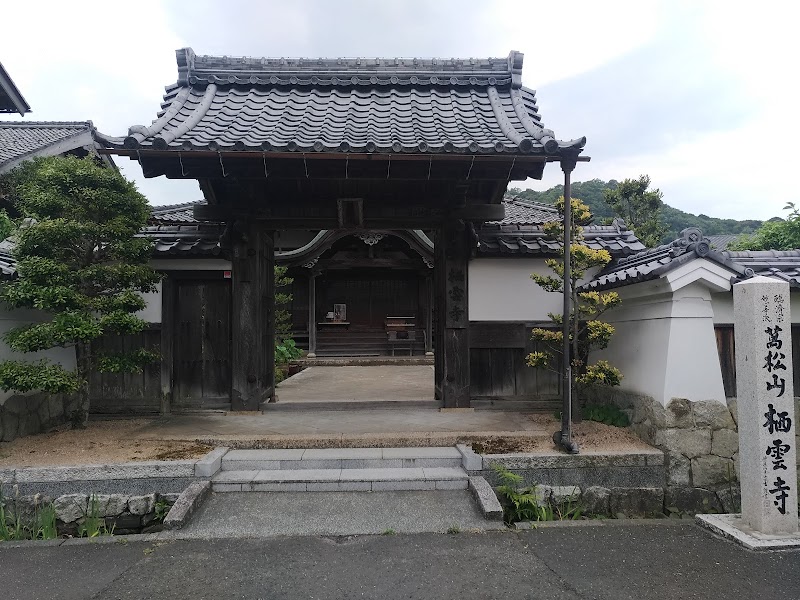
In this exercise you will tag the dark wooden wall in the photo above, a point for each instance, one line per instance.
(498, 368)
(121, 393)
(202, 344)
(727, 357)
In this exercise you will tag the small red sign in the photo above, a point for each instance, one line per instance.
(226, 274)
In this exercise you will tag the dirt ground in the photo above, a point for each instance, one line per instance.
(103, 442)
(118, 441)
(590, 435)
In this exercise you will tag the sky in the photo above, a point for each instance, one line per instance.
(698, 94)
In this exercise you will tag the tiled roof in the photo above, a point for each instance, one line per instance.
(527, 212)
(467, 106)
(174, 213)
(652, 263)
(781, 264)
(721, 242)
(22, 140)
(11, 101)
(195, 239)
(521, 232)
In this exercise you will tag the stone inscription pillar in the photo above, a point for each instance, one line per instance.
(452, 257)
(253, 318)
(765, 398)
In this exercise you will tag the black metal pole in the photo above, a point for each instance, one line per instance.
(564, 437)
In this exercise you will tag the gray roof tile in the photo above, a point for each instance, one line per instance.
(527, 212)
(464, 106)
(20, 140)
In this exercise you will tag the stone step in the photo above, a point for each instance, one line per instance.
(341, 458)
(341, 480)
(299, 405)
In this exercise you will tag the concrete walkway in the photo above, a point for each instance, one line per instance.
(626, 560)
(268, 514)
(358, 384)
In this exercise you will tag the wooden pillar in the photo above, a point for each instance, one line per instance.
(168, 301)
(253, 318)
(452, 257)
(312, 314)
(429, 300)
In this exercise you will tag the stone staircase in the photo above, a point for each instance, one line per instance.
(341, 469)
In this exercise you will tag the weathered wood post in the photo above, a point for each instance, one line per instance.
(312, 313)
(253, 318)
(765, 398)
(452, 258)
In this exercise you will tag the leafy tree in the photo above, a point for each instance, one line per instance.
(774, 235)
(639, 207)
(587, 331)
(285, 347)
(80, 263)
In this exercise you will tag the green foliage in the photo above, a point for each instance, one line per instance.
(6, 225)
(606, 413)
(520, 503)
(675, 220)
(774, 235)
(587, 332)
(80, 262)
(639, 207)
(286, 349)
(454, 529)
(93, 524)
(41, 525)
(162, 508)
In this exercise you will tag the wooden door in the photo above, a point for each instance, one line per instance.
(202, 346)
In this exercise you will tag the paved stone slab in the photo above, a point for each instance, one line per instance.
(735, 528)
(307, 475)
(334, 453)
(382, 474)
(436, 452)
(235, 476)
(335, 513)
(208, 465)
(487, 500)
(445, 473)
(267, 454)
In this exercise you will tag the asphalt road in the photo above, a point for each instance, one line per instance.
(655, 560)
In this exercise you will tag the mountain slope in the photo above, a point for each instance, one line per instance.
(591, 192)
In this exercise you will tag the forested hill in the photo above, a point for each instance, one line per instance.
(591, 192)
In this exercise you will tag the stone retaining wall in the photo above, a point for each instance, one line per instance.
(22, 415)
(121, 513)
(604, 484)
(700, 441)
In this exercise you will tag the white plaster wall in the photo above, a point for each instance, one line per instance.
(9, 319)
(501, 289)
(152, 312)
(665, 344)
(723, 307)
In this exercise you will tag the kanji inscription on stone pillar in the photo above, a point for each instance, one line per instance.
(765, 398)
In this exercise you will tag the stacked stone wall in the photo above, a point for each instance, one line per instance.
(121, 513)
(22, 415)
(700, 441)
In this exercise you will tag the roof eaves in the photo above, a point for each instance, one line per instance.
(16, 103)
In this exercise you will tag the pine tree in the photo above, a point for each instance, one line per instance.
(587, 331)
(79, 262)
